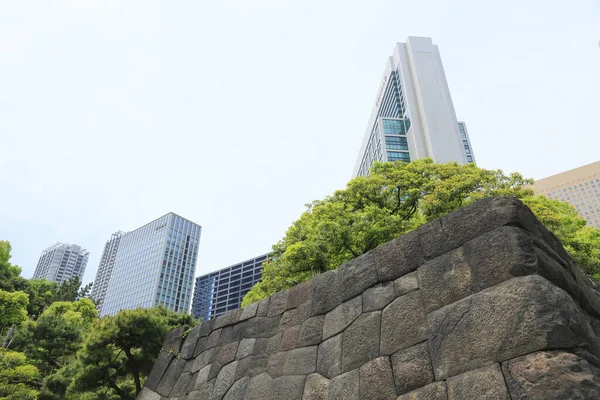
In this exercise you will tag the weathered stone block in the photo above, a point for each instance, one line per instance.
(288, 319)
(288, 387)
(360, 341)
(412, 368)
(238, 389)
(206, 327)
(174, 339)
(289, 338)
(277, 303)
(406, 284)
(229, 318)
(260, 346)
(311, 331)
(263, 308)
(276, 364)
(340, 317)
(301, 361)
(181, 387)
(325, 292)
(356, 276)
(376, 298)
(203, 359)
(482, 383)
(170, 377)
(551, 375)
(226, 354)
(399, 256)
(433, 391)
(249, 311)
(226, 336)
(299, 294)
(158, 370)
(213, 339)
(329, 357)
(200, 346)
(377, 380)
(245, 348)
(224, 381)
(259, 388)
(316, 388)
(147, 394)
(189, 344)
(200, 378)
(261, 327)
(252, 366)
(304, 311)
(517, 317)
(214, 370)
(274, 343)
(403, 323)
(203, 392)
(345, 386)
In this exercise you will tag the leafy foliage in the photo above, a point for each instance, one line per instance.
(10, 275)
(13, 308)
(397, 198)
(19, 379)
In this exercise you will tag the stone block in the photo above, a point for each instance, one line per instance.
(170, 377)
(514, 318)
(325, 292)
(205, 358)
(399, 256)
(360, 341)
(341, 317)
(345, 386)
(190, 342)
(356, 276)
(229, 318)
(274, 343)
(174, 339)
(260, 346)
(259, 388)
(277, 303)
(261, 327)
(311, 331)
(329, 357)
(263, 308)
(252, 366)
(226, 336)
(226, 354)
(200, 378)
(239, 330)
(376, 298)
(412, 368)
(213, 339)
(316, 388)
(377, 380)
(485, 261)
(289, 338)
(206, 327)
(200, 345)
(433, 391)
(288, 387)
(214, 370)
(406, 284)
(181, 387)
(158, 370)
(403, 323)
(301, 361)
(551, 375)
(147, 394)
(245, 348)
(249, 311)
(304, 311)
(204, 392)
(276, 364)
(288, 319)
(225, 379)
(299, 294)
(238, 389)
(483, 383)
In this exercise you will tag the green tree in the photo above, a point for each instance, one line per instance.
(42, 294)
(19, 379)
(394, 199)
(119, 351)
(10, 275)
(13, 309)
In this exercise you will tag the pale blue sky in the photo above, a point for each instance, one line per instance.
(234, 114)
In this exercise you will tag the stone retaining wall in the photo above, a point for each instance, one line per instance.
(481, 303)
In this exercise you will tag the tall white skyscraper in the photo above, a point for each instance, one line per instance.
(413, 116)
(154, 265)
(107, 262)
(60, 262)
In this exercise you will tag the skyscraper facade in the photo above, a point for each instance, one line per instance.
(61, 262)
(107, 262)
(413, 116)
(223, 290)
(154, 265)
(579, 187)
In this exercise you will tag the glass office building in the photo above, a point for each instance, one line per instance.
(579, 187)
(413, 116)
(61, 262)
(223, 290)
(107, 262)
(154, 265)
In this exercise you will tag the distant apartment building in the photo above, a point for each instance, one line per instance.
(579, 187)
(154, 265)
(61, 262)
(223, 290)
(413, 116)
(105, 267)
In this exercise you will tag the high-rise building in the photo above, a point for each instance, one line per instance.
(60, 262)
(413, 116)
(223, 290)
(578, 187)
(154, 265)
(107, 262)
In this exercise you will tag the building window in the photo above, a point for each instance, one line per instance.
(469, 159)
(398, 156)
(396, 143)
(393, 127)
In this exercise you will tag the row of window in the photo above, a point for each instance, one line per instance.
(398, 156)
(396, 143)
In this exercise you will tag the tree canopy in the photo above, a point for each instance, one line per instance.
(396, 198)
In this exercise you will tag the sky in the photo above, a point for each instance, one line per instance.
(234, 114)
